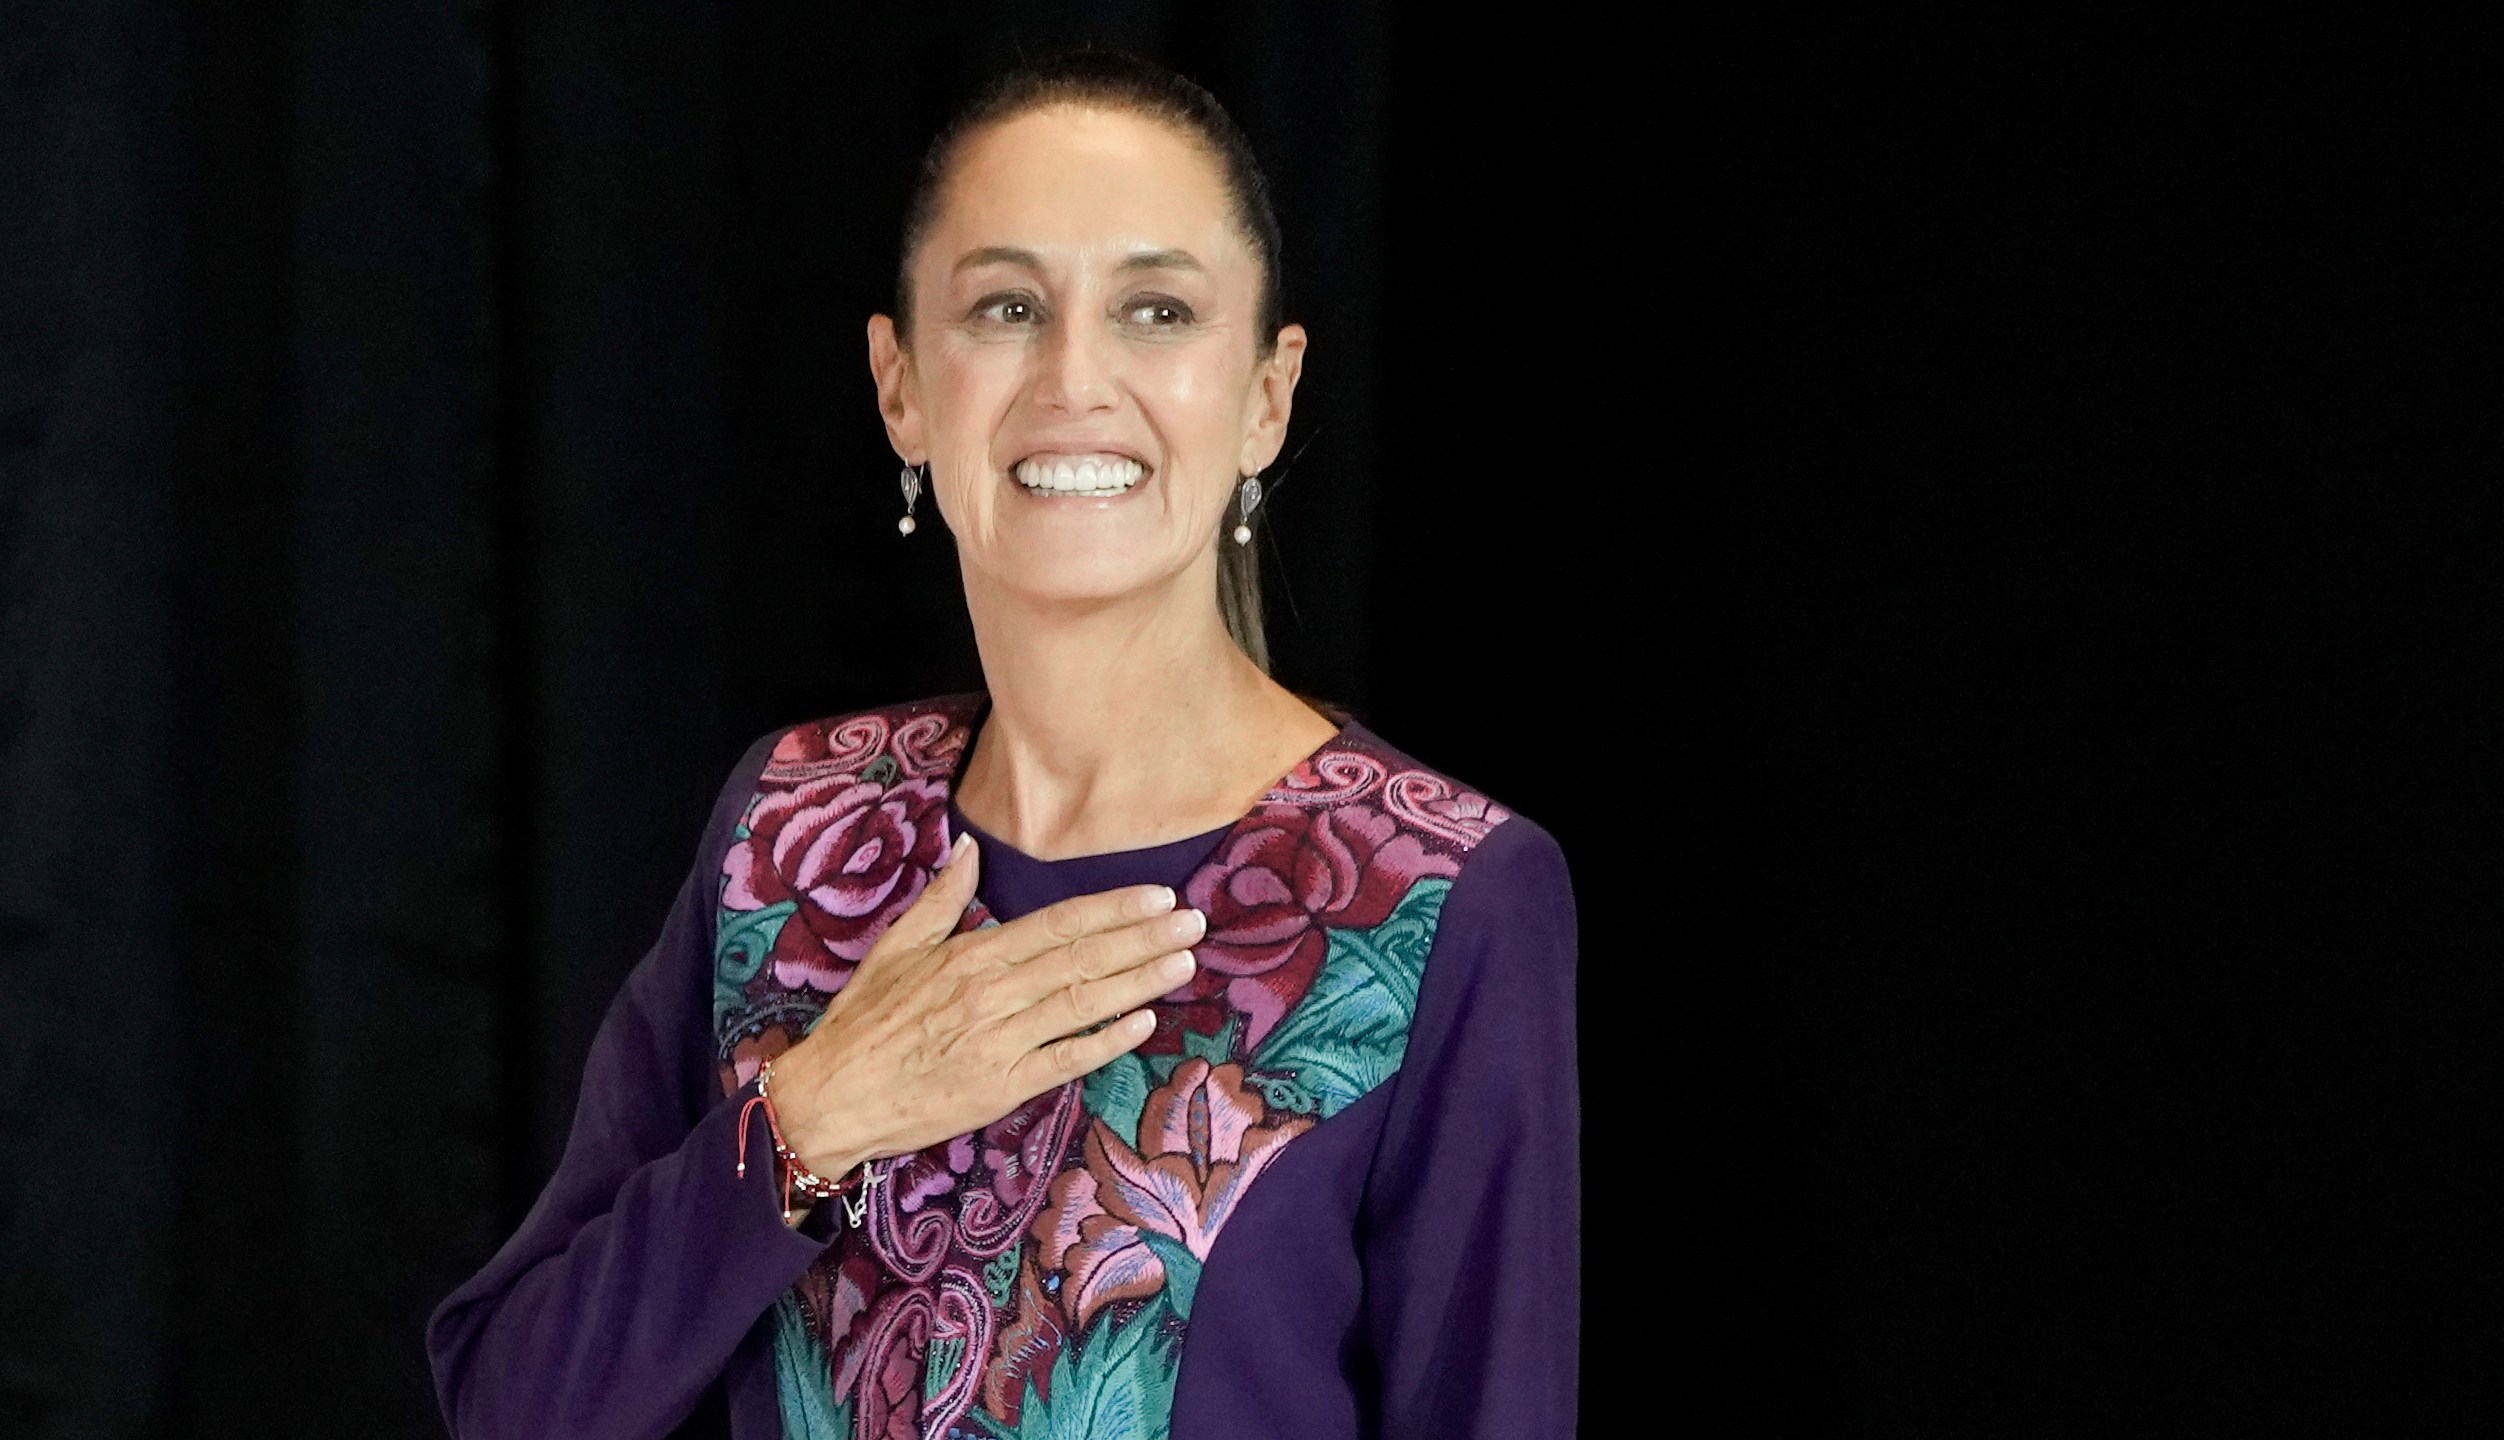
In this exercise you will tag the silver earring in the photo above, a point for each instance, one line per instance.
(912, 482)
(1249, 498)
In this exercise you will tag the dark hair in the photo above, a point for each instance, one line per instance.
(1119, 80)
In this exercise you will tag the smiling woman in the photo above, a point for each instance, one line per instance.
(1140, 268)
(1182, 1059)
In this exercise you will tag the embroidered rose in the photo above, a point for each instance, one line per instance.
(1201, 1144)
(851, 853)
(1283, 877)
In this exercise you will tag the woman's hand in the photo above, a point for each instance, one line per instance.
(936, 1034)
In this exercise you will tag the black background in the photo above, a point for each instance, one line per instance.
(1967, 537)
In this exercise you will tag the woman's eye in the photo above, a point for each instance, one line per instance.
(1160, 314)
(1010, 310)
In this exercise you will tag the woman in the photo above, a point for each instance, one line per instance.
(1188, 1061)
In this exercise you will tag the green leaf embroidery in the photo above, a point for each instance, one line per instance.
(939, 1364)
(1117, 1091)
(1216, 1049)
(803, 1381)
(1119, 1385)
(746, 938)
(1350, 1030)
(1000, 1276)
(1182, 1270)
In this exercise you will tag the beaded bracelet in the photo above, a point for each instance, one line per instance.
(796, 1174)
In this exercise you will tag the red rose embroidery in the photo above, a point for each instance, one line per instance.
(1279, 881)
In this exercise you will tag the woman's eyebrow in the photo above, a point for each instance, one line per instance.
(997, 255)
(1139, 260)
(1160, 260)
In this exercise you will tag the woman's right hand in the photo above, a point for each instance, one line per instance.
(936, 1033)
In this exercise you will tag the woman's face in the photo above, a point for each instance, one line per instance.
(1083, 374)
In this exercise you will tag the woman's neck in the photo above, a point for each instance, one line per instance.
(1122, 726)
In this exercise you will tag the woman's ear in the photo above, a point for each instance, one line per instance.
(1273, 398)
(892, 368)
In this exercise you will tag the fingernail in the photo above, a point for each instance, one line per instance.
(1177, 965)
(957, 851)
(1160, 900)
(1189, 924)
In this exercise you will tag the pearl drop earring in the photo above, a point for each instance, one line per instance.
(912, 482)
(1248, 497)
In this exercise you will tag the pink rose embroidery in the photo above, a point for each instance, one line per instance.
(852, 853)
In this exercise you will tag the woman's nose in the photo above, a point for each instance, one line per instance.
(1076, 373)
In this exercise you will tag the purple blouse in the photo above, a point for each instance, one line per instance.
(1335, 1194)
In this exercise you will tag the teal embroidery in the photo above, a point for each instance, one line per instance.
(1282, 1093)
(1118, 1385)
(801, 1382)
(1216, 1049)
(1351, 1029)
(1118, 1091)
(939, 1364)
(745, 939)
(1182, 1270)
(999, 1278)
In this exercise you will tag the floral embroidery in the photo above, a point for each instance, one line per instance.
(1035, 1278)
(1279, 881)
(852, 854)
(1027, 1345)
(1350, 1031)
(1202, 1141)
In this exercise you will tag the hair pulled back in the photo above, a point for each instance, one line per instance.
(1121, 81)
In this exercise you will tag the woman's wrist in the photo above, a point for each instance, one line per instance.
(813, 1129)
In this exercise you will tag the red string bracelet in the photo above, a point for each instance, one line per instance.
(796, 1174)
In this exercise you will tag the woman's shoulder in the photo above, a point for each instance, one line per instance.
(1483, 837)
(1490, 882)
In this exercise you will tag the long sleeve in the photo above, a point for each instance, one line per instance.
(1471, 1216)
(645, 1261)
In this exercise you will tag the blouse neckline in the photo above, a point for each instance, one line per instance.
(1203, 847)
(996, 851)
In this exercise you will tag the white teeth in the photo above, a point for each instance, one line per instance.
(1095, 476)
